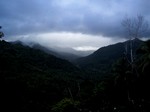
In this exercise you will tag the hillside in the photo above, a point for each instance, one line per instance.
(35, 81)
(30, 78)
(63, 55)
(24, 57)
(103, 58)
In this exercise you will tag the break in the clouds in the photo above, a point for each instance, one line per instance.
(80, 24)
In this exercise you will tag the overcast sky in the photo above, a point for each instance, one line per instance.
(80, 24)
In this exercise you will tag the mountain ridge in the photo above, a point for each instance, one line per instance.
(64, 53)
(38, 58)
(105, 56)
(33, 80)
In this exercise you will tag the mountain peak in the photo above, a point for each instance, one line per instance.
(104, 57)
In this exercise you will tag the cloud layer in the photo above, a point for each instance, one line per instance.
(87, 17)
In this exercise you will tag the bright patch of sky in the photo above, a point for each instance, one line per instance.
(79, 24)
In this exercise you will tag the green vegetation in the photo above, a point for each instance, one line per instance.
(101, 61)
(65, 105)
(32, 80)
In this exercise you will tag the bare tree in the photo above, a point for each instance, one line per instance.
(1, 33)
(135, 28)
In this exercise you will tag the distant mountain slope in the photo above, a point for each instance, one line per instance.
(69, 54)
(17, 57)
(103, 58)
(32, 80)
(63, 55)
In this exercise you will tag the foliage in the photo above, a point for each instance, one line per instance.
(99, 63)
(66, 105)
(32, 80)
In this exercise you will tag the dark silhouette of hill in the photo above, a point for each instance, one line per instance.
(103, 58)
(35, 81)
(31, 79)
(24, 56)
(63, 55)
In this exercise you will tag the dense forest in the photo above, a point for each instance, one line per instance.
(105, 81)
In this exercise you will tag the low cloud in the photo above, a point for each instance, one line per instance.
(77, 41)
(95, 19)
(86, 48)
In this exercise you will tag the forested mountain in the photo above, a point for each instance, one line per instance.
(29, 76)
(105, 57)
(63, 55)
(35, 81)
(30, 58)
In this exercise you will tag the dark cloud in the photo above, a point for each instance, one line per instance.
(94, 17)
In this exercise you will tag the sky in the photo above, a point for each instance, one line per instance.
(78, 24)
